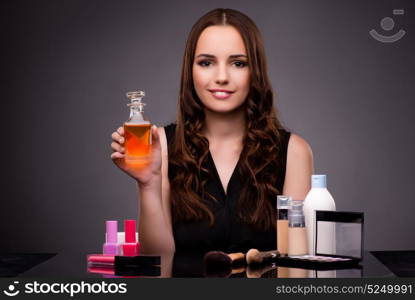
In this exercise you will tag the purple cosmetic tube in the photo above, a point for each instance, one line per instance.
(111, 245)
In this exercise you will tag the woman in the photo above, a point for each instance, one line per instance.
(214, 177)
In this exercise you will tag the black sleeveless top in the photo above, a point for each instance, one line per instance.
(228, 234)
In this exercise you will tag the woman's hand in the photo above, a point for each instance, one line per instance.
(146, 173)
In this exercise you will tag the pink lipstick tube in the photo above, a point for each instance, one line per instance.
(111, 245)
(131, 247)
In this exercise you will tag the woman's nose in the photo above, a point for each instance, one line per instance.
(222, 76)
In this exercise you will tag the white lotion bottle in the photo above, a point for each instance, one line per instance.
(319, 198)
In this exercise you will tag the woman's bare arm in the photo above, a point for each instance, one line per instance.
(299, 168)
(155, 228)
(154, 216)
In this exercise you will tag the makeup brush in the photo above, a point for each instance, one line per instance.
(254, 256)
(219, 260)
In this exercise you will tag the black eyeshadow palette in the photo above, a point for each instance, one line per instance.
(318, 262)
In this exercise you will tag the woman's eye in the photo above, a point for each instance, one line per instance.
(204, 63)
(240, 64)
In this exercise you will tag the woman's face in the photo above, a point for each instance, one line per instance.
(220, 69)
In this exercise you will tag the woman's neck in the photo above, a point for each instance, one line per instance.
(219, 127)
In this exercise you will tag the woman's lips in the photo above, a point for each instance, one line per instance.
(221, 94)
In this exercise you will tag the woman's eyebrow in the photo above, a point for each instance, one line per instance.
(237, 56)
(213, 56)
(206, 55)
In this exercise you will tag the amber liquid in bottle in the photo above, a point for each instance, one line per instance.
(137, 132)
(137, 142)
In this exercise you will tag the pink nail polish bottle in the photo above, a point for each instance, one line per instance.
(130, 247)
(111, 245)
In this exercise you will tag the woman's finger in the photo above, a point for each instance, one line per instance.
(117, 147)
(117, 138)
(116, 155)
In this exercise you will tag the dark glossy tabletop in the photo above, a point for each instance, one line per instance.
(191, 265)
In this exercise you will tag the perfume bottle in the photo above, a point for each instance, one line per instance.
(137, 130)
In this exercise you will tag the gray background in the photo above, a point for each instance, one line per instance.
(66, 66)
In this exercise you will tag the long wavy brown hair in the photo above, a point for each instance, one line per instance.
(259, 159)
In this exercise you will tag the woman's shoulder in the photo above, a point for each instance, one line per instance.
(169, 131)
(171, 125)
(284, 135)
(299, 148)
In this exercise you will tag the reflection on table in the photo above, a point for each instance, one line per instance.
(74, 264)
(184, 265)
